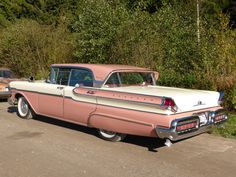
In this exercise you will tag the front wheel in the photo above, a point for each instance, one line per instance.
(111, 136)
(23, 109)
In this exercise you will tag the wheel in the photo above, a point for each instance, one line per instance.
(23, 109)
(111, 136)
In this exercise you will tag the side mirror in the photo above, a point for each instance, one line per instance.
(48, 81)
(156, 75)
(31, 79)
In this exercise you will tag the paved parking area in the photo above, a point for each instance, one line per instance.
(45, 147)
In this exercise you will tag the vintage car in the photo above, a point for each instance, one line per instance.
(119, 100)
(6, 76)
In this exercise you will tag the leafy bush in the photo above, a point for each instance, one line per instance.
(160, 35)
(95, 28)
(228, 129)
(29, 48)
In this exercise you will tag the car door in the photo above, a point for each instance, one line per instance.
(51, 95)
(79, 96)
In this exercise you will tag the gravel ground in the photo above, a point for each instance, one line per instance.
(44, 147)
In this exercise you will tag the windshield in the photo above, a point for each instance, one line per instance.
(120, 79)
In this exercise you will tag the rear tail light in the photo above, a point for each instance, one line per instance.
(170, 104)
(187, 126)
(220, 118)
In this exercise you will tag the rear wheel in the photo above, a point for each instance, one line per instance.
(111, 136)
(23, 109)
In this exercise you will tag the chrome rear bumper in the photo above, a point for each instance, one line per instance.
(214, 118)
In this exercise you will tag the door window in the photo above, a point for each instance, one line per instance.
(63, 76)
(81, 77)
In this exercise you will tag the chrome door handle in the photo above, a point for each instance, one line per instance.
(60, 87)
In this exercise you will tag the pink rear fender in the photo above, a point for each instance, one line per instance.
(31, 97)
(123, 121)
(134, 122)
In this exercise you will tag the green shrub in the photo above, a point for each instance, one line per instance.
(29, 48)
(159, 35)
(95, 29)
(228, 129)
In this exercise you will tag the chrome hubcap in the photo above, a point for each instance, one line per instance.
(24, 107)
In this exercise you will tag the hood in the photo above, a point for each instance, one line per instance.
(185, 99)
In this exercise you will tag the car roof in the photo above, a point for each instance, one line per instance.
(4, 69)
(101, 71)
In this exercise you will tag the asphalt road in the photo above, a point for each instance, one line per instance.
(45, 147)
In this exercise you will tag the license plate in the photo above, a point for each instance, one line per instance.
(203, 117)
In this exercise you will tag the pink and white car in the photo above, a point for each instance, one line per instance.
(118, 100)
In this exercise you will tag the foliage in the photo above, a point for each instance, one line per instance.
(29, 48)
(161, 35)
(228, 129)
(95, 29)
(44, 11)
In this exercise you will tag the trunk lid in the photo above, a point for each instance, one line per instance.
(185, 99)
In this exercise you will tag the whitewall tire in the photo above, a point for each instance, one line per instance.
(23, 109)
(111, 136)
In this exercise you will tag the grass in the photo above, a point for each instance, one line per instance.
(228, 129)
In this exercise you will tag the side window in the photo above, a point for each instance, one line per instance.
(131, 78)
(82, 77)
(113, 81)
(63, 76)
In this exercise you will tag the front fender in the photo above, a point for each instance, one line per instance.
(31, 97)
